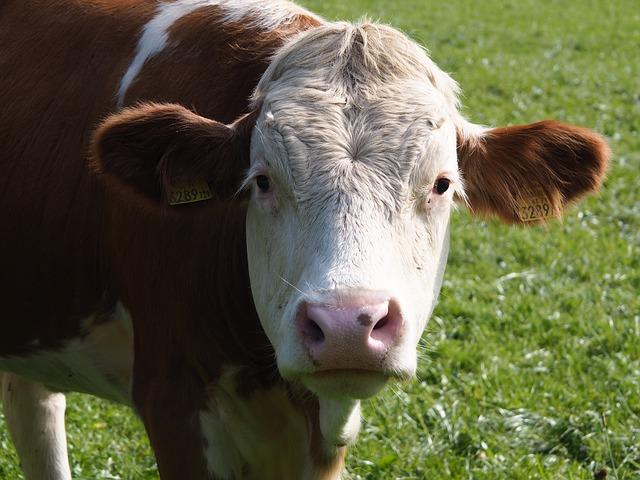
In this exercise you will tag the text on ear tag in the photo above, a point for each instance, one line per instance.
(191, 192)
(535, 208)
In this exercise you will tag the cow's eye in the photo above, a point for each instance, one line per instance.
(442, 185)
(263, 183)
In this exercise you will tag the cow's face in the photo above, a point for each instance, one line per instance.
(352, 177)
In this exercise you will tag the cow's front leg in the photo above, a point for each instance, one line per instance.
(169, 406)
(35, 418)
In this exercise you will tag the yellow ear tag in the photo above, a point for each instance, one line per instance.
(534, 208)
(196, 191)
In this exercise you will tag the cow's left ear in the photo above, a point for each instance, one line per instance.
(528, 173)
(154, 149)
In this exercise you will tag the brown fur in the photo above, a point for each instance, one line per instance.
(508, 166)
(232, 62)
(53, 271)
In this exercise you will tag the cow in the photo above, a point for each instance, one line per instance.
(233, 216)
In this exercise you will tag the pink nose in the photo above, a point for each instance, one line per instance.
(350, 335)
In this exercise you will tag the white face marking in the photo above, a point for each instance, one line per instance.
(260, 14)
(353, 140)
(260, 436)
(99, 363)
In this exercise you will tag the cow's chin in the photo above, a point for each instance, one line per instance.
(345, 383)
(339, 393)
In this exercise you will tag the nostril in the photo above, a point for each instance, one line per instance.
(381, 323)
(387, 329)
(313, 332)
(309, 324)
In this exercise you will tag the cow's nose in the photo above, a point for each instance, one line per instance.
(355, 334)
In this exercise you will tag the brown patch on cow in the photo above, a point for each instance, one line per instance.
(509, 165)
(231, 58)
(365, 320)
(53, 214)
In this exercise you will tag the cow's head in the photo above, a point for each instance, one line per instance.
(353, 159)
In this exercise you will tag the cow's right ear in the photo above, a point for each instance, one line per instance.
(526, 174)
(158, 149)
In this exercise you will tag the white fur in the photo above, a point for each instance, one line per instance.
(340, 420)
(35, 419)
(154, 39)
(222, 456)
(357, 124)
(99, 362)
(261, 433)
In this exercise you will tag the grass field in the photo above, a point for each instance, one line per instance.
(531, 365)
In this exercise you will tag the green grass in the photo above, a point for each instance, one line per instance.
(531, 365)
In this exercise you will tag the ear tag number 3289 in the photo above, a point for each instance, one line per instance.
(189, 193)
(534, 208)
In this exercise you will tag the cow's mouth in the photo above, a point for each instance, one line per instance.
(346, 383)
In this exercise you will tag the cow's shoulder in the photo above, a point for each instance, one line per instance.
(209, 54)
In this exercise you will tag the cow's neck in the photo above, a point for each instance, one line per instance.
(186, 270)
(265, 433)
(207, 380)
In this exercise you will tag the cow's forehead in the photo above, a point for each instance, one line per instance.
(331, 128)
(387, 121)
(321, 145)
(405, 101)
(353, 108)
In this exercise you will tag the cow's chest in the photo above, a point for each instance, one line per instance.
(98, 362)
(261, 435)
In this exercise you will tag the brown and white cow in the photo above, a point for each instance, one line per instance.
(243, 329)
